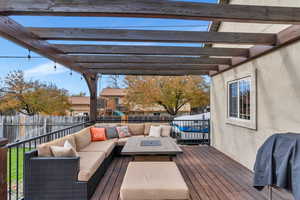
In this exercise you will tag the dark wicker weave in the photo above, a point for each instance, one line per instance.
(53, 178)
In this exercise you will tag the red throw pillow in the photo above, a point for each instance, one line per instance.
(98, 134)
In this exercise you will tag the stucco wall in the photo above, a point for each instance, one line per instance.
(278, 92)
(278, 104)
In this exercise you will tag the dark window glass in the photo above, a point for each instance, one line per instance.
(239, 99)
(233, 99)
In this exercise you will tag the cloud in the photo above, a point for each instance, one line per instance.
(44, 69)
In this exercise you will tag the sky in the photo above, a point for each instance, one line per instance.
(40, 68)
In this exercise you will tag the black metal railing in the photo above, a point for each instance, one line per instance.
(185, 131)
(17, 150)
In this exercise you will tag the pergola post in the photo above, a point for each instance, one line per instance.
(92, 84)
(3, 168)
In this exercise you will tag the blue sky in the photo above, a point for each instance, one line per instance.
(43, 69)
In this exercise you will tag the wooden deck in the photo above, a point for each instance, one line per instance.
(209, 174)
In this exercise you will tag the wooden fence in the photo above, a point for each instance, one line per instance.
(20, 127)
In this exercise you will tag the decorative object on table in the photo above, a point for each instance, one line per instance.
(151, 143)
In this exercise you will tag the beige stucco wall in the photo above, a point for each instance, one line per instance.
(278, 103)
(278, 93)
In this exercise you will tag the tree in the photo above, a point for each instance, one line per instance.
(114, 81)
(31, 97)
(172, 93)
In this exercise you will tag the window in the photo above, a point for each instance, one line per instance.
(239, 99)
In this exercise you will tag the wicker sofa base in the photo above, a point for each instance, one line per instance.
(56, 178)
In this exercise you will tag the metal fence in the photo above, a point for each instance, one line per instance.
(17, 150)
(141, 118)
(21, 127)
(185, 131)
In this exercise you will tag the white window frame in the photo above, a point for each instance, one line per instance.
(250, 124)
(238, 98)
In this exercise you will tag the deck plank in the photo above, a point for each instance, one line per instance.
(209, 174)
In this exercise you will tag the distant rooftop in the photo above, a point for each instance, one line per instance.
(79, 100)
(113, 92)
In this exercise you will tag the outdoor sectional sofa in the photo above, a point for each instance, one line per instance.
(73, 178)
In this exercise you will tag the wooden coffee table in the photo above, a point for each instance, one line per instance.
(151, 149)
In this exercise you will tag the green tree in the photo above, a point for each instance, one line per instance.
(172, 93)
(31, 97)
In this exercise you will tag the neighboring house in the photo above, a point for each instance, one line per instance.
(112, 102)
(258, 98)
(80, 106)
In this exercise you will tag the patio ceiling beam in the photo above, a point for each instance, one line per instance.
(154, 9)
(151, 50)
(153, 36)
(15, 32)
(284, 38)
(147, 59)
(150, 72)
(137, 66)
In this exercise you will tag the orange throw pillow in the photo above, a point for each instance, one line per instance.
(98, 134)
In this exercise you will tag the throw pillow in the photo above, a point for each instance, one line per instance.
(111, 132)
(98, 134)
(165, 130)
(62, 151)
(123, 131)
(155, 131)
(69, 145)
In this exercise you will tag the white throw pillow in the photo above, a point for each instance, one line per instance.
(155, 131)
(62, 151)
(165, 130)
(69, 145)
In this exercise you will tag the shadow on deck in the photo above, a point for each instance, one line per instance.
(209, 174)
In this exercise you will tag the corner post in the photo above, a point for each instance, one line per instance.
(92, 80)
(3, 168)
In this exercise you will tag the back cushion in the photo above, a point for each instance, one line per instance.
(82, 138)
(45, 151)
(107, 124)
(165, 130)
(136, 129)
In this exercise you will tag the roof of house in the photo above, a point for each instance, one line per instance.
(113, 92)
(79, 100)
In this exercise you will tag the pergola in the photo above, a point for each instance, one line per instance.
(147, 60)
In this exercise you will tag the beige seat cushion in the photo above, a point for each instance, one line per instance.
(89, 163)
(153, 181)
(82, 138)
(122, 141)
(148, 125)
(136, 129)
(102, 146)
(45, 151)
